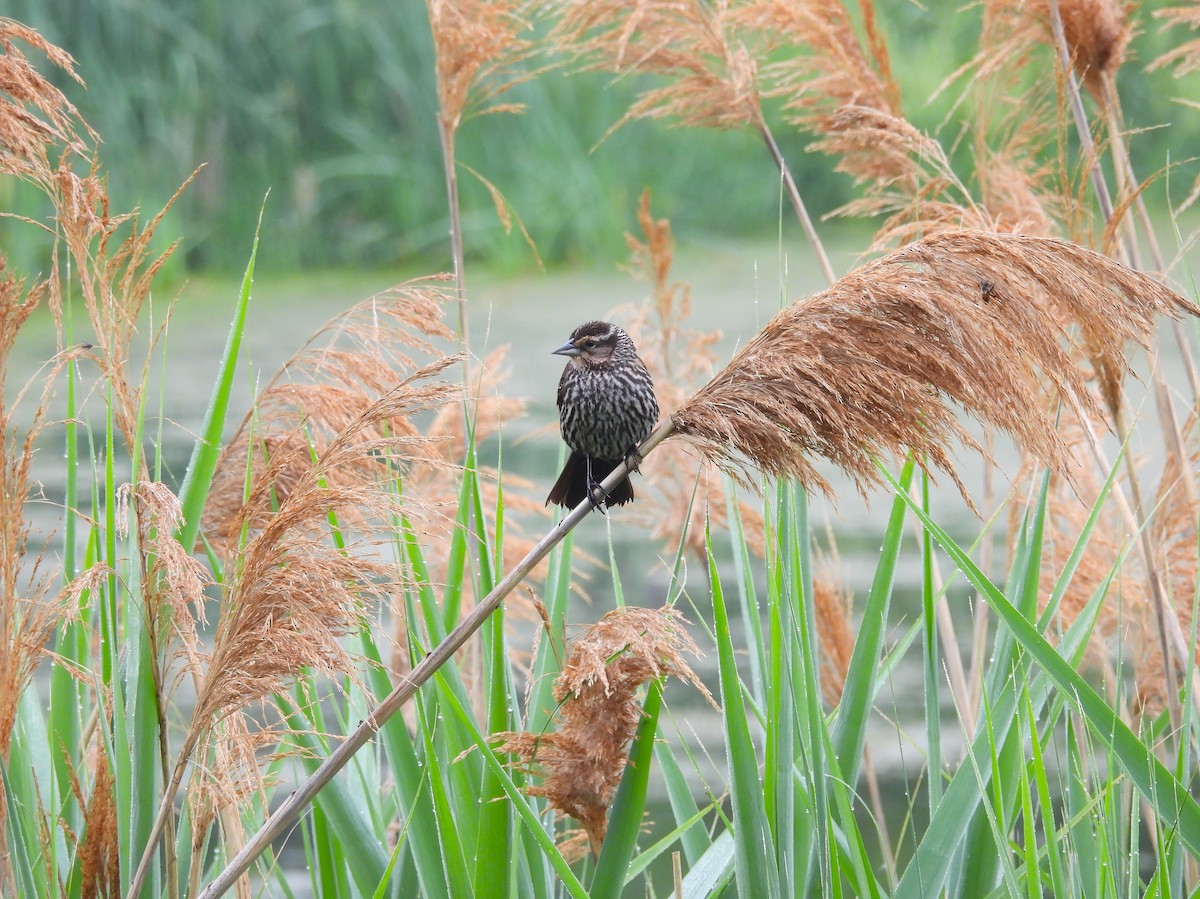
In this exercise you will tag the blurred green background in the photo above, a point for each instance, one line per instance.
(330, 104)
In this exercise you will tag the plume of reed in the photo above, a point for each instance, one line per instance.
(870, 366)
(479, 50)
(99, 849)
(1174, 536)
(581, 763)
(1184, 57)
(1097, 34)
(709, 60)
(340, 373)
(292, 592)
(238, 757)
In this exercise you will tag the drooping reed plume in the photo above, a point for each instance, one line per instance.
(581, 763)
(1184, 58)
(710, 62)
(878, 363)
(341, 371)
(479, 48)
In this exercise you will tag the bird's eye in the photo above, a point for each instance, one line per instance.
(589, 344)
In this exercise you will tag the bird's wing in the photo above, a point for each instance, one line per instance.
(562, 384)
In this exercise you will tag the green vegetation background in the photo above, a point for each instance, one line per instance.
(330, 104)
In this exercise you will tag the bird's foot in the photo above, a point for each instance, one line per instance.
(596, 494)
(633, 459)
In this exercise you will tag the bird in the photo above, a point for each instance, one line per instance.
(606, 408)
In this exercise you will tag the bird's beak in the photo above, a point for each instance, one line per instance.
(568, 349)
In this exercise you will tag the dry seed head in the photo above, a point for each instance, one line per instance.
(1185, 57)
(478, 47)
(582, 762)
(1096, 32)
(871, 366)
(712, 73)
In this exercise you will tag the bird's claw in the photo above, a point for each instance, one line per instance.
(596, 494)
(633, 459)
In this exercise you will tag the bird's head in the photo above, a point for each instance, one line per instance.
(592, 344)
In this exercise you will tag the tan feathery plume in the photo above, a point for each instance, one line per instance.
(99, 851)
(1173, 529)
(581, 763)
(1097, 33)
(712, 73)
(1185, 57)
(34, 114)
(292, 592)
(871, 365)
(341, 371)
(709, 61)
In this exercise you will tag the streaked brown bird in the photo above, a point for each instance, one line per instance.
(606, 408)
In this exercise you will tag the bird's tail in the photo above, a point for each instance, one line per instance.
(571, 488)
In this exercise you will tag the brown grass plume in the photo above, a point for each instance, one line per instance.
(876, 364)
(582, 762)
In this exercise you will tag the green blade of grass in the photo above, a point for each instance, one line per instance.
(198, 480)
(757, 874)
(343, 810)
(410, 777)
(695, 840)
(527, 815)
(862, 677)
(713, 872)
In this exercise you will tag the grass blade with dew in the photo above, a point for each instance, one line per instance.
(410, 776)
(716, 868)
(495, 830)
(695, 839)
(18, 845)
(336, 801)
(863, 675)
